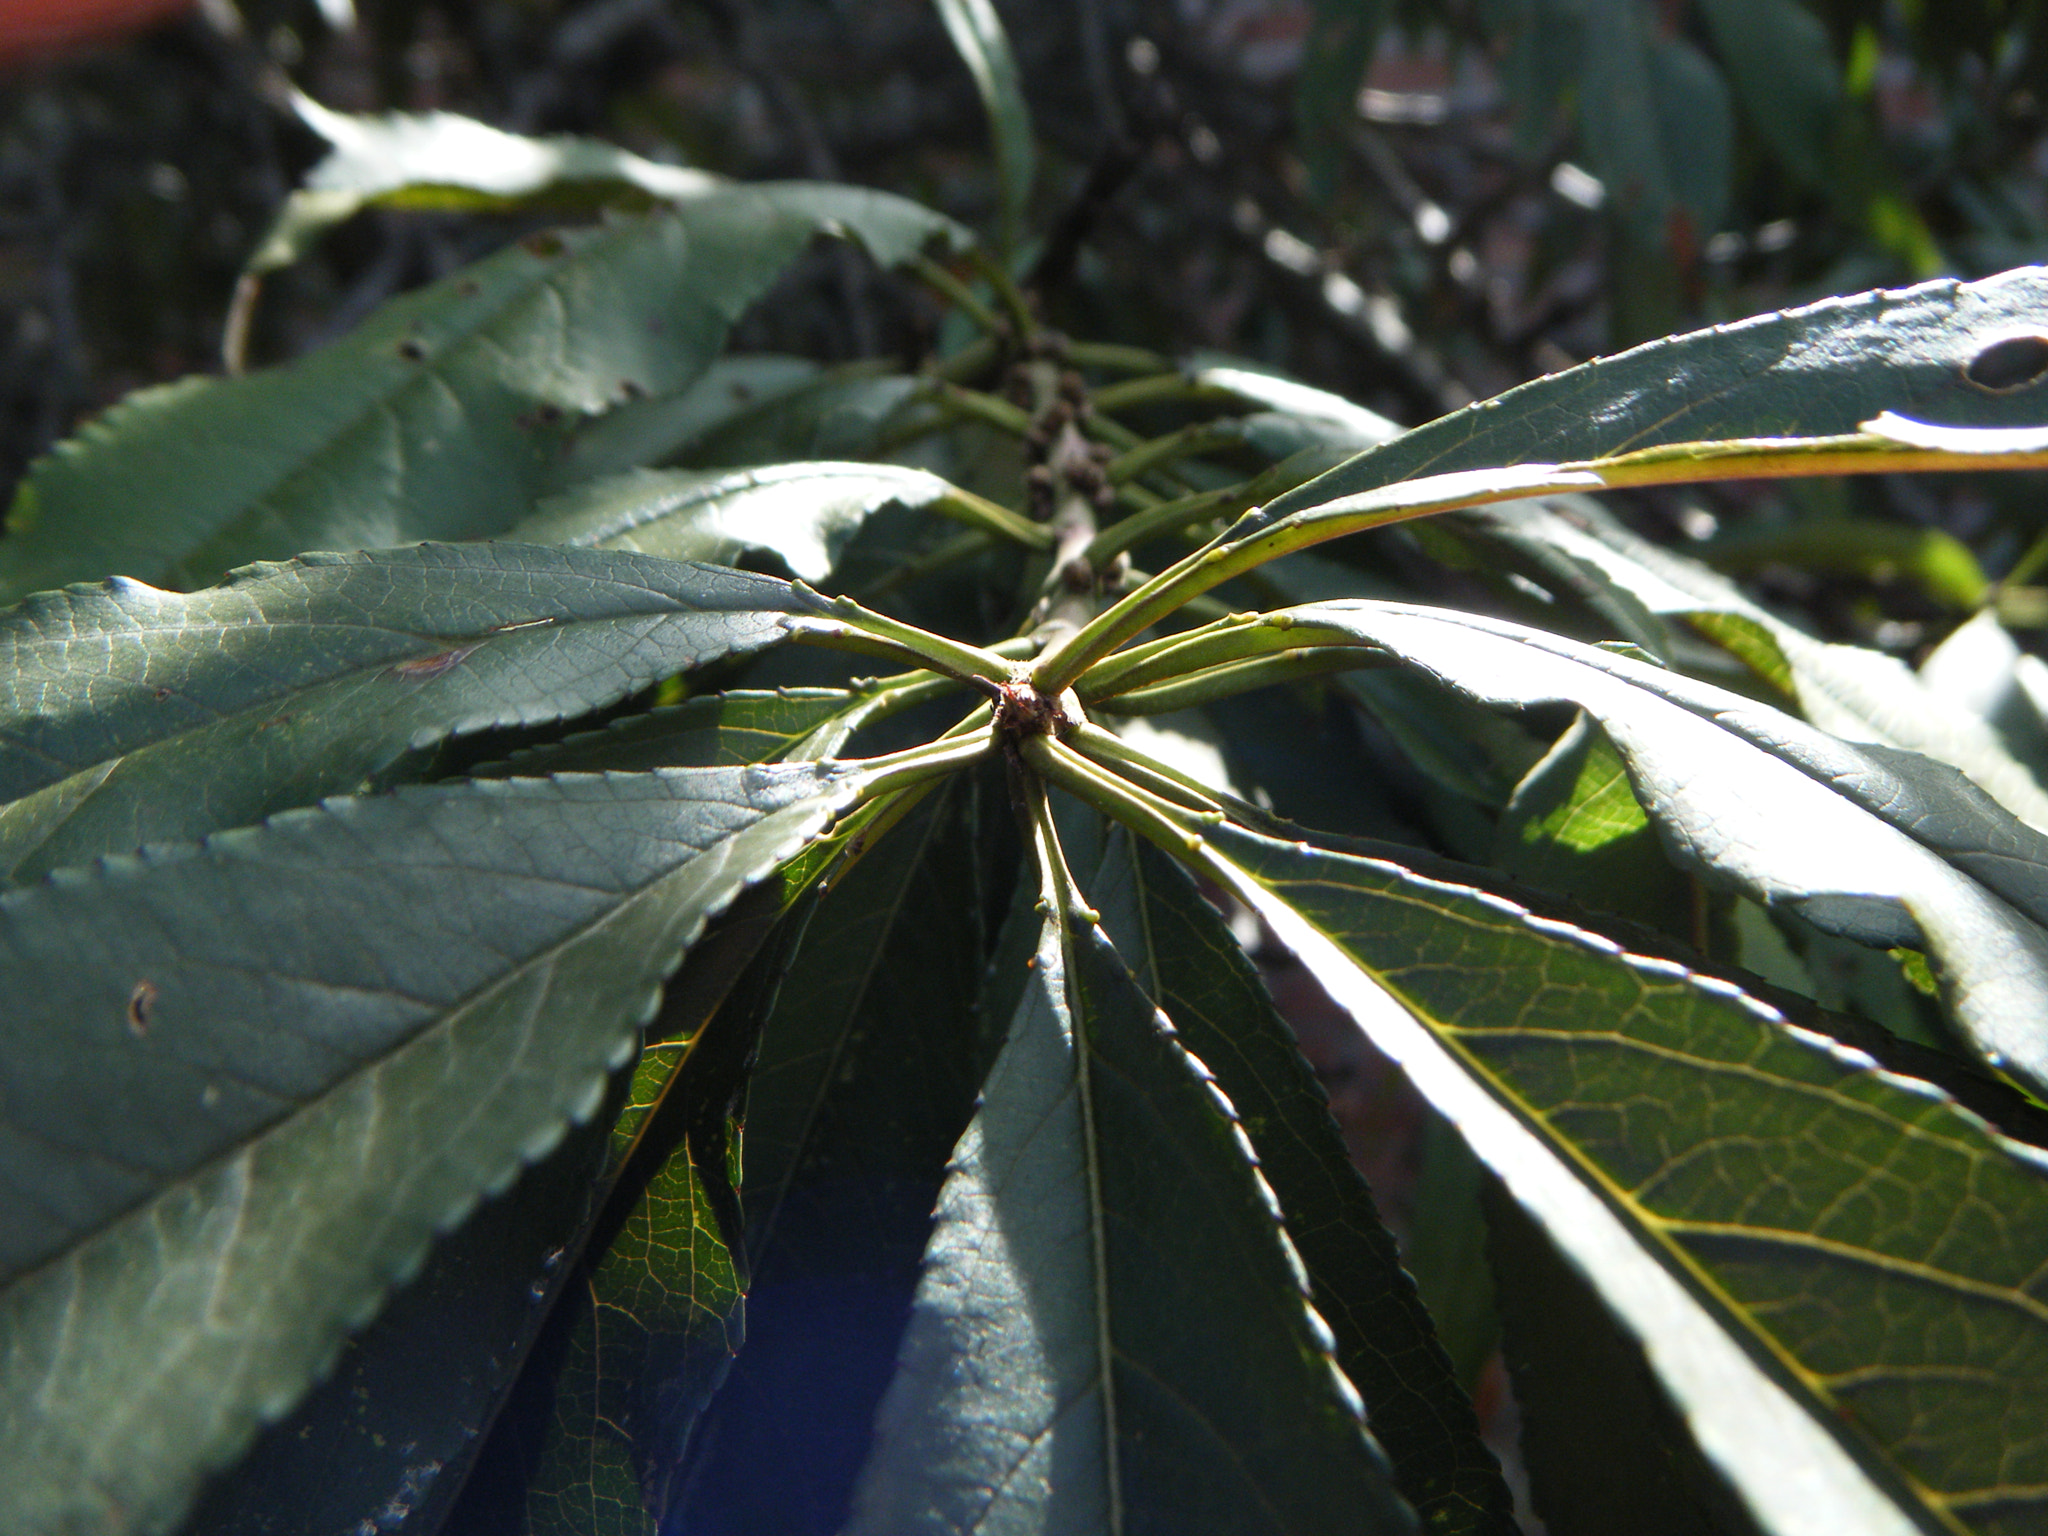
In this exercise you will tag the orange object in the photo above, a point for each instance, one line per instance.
(33, 28)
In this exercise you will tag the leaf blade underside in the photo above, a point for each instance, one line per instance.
(1720, 1175)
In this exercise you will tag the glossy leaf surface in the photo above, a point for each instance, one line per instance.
(130, 715)
(1847, 690)
(801, 513)
(1819, 371)
(251, 1118)
(1879, 846)
(442, 160)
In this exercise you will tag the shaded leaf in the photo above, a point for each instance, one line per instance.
(655, 1313)
(1604, 1448)
(1656, 123)
(978, 36)
(442, 160)
(443, 414)
(1188, 961)
(839, 414)
(1111, 1331)
(1938, 561)
(1341, 38)
(718, 730)
(251, 1116)
(130, 715)
(1720, 1176)
(388, 1436)
(868, 1065)
(659, 428)
(1782, 67)
(1818, 371)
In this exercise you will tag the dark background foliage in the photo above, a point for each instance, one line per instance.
(1423, 242)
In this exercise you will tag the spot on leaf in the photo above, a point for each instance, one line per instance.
(425, 668)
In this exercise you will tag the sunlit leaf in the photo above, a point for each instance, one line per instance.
(1850, 691)
(443, 415)
(1720, 1176)
(249, 1116)
(442, 160)
(1875, 844)
(1819, 371)
(130, 715)
(802, 513)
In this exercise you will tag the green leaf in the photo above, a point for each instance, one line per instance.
(1850, 691)
(442, 416)
(1656, 123)
(654, 1315)
(978, 36)
(1334, 421)
(1980, 669)
(1782, 66)
(130, 715)
(868, 1067)
(839, 414)
(803, 513)
(1589, 1403)
(661, 428)
(1188, 961)
(1341, 39)
(1819, 371)
(719, 730)
(1833, 1268)
(441, 160)
(1111, 1331)
(389, 1435)
(1938, 561)
(1574, 827)
(1876, 844)
(250, 1114)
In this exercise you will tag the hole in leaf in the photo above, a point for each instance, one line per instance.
(140, 1001)
(2009, 364)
